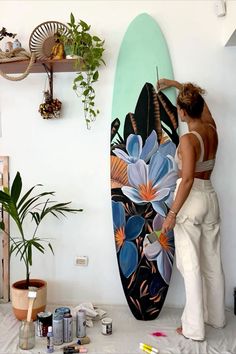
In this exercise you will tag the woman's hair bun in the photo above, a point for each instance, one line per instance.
(190, 99)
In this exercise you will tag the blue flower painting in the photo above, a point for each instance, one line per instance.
(124, 234)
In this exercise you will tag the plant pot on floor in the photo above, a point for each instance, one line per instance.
(20, 300)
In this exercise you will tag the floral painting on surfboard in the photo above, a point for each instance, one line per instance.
(143, 179)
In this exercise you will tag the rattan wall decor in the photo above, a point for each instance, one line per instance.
(43, 38)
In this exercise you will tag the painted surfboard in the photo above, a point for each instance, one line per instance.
(143, 173)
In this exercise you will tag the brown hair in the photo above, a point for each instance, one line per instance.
(190, 99)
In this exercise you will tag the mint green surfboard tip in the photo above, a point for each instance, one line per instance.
(143, 48)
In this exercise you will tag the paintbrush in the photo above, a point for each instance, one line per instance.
(158, 86)
(31, 296)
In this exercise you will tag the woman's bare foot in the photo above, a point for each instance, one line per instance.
(179, 330)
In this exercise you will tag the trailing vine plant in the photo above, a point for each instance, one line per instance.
(87, 49)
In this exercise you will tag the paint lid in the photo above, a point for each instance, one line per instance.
(62, 309)
(45, 318)
(106, 320)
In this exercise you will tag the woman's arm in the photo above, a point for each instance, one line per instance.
(206, 116)
(163, 84)
(188, 156)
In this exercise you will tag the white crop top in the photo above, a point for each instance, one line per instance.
(201, 166)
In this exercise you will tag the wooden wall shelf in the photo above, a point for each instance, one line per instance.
(17, 67)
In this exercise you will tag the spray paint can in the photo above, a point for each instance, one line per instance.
(57, 325)
(81, 324)
(67, 328)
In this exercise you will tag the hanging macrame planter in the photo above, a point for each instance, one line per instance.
(51, 107)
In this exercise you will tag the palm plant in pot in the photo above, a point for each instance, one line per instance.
(87, 50)
(36, 207)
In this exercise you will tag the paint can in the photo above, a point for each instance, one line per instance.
(62, 309)
(67, 328)
(106, 325)
(81, 323)
(44, 320)
(57, 325)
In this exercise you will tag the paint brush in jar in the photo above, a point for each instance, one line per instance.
(31, 296)
(27, 330)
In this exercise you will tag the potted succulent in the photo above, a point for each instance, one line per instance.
(87, 49)
(21, 207)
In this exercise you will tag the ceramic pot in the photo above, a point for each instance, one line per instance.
(20, 300)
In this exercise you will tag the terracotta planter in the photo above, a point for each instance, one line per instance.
(19, 298)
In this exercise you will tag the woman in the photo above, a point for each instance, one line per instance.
(194, 215)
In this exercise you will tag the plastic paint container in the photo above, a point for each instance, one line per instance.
(106, 325)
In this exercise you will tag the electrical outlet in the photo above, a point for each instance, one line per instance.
(81, 261)
(220, 6)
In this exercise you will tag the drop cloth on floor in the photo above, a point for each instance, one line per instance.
(128, 333)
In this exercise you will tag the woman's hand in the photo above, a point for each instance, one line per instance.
(163, 84)
(169, 223)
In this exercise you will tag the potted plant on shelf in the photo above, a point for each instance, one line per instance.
(87, 50)
(4, 33)
(21, 207)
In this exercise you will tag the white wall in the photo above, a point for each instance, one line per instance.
(67, 158)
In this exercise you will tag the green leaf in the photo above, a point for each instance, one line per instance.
(95, 76)
(2, 225)
(29, 204)
(25, 196)
(37, 245)
(83, 83)
(4, 197)
(16, 188)
(96, 39)
(84, 25)
(72, 19)
(85, 93)
(6, 190)
(92, 112)
(79, 78)
(50, 246)
(36, 217)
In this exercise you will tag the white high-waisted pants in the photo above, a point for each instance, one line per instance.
(197, 242)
